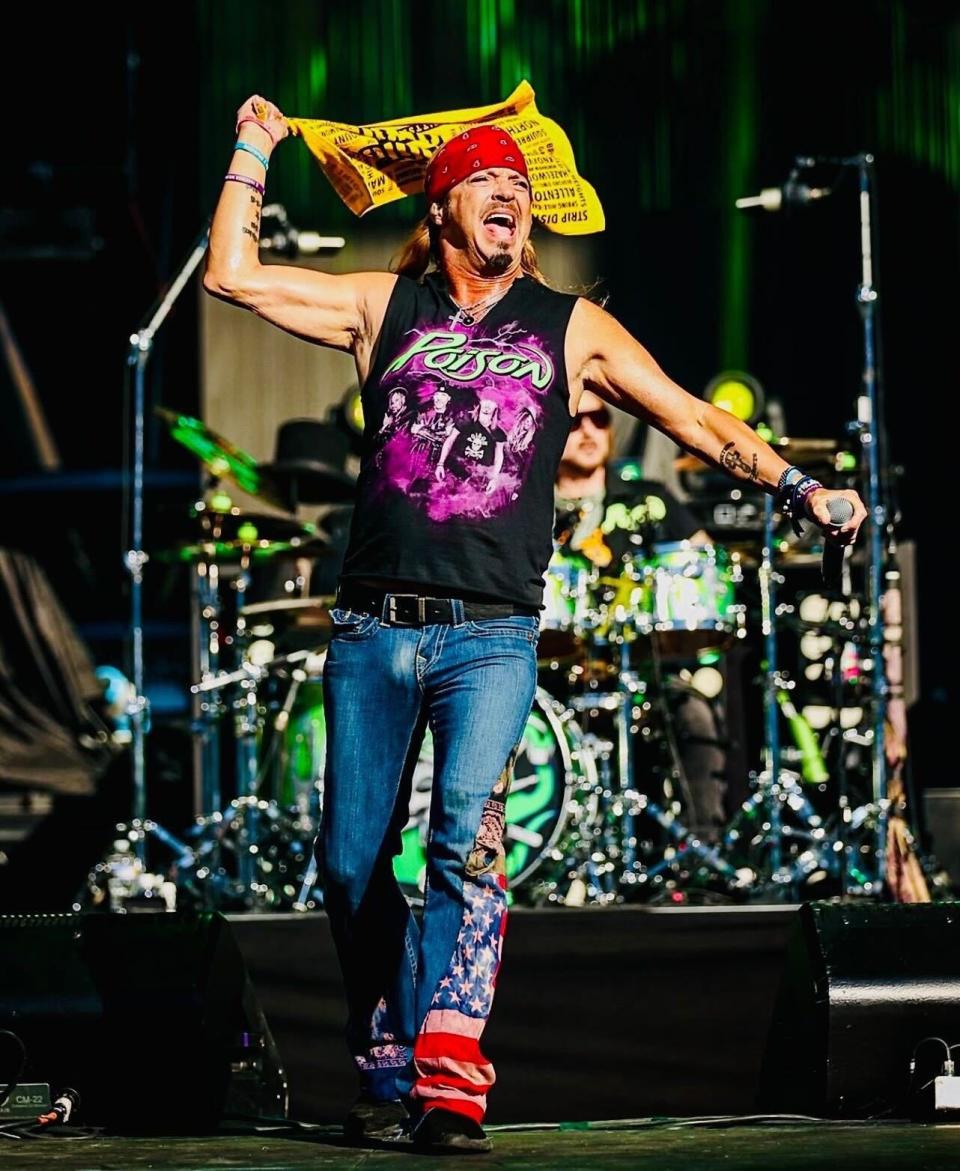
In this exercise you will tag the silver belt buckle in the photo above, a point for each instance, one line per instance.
(392, 600)
(422, 611)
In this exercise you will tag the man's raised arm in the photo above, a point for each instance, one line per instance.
(344, 312)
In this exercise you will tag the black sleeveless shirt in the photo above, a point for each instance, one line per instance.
(464, 426)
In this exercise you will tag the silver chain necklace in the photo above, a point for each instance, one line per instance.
(469, 314)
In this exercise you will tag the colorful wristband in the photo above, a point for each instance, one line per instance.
(256, 121)
(792, 498)
(232, 177)
(252, 150)
(801, 498)
(792, 475)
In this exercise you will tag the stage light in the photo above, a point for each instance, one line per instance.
(738, 394)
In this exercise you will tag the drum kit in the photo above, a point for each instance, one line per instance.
(596, 810)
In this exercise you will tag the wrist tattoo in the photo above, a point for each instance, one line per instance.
(251, 233)
(733, 461)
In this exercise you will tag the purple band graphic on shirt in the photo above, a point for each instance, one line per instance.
(461, 417)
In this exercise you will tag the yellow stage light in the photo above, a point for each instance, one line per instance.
(737, 393)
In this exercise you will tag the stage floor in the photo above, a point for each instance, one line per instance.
(660, 1145)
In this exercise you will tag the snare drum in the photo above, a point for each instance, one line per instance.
(684, 597)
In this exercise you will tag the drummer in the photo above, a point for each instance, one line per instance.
(599, 514)
(602, 518)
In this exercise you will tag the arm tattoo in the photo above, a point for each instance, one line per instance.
(253, 228)
(733, 461)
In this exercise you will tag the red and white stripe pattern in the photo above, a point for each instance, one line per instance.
(450, 1069)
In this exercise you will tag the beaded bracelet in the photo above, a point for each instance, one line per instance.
(252, 150)
(232, 177)
(256, 121)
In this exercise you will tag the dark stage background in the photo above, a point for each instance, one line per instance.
(118, 132)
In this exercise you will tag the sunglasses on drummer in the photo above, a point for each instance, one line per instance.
(600, 418)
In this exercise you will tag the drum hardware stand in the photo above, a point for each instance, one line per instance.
(247, 806)
(208, 638)
(606, 849)
(776, 789)
(634, 873)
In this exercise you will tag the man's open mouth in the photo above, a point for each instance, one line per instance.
(501, 224)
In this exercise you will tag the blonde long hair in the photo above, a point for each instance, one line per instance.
(419, 251)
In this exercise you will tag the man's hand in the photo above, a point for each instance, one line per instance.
(266, 113)
(440, 473)
(818, 509)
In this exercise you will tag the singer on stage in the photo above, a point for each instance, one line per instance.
(436, 619)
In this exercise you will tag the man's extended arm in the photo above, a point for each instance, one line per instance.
(603, 357)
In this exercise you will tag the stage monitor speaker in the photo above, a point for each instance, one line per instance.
(150, 1017)
(863, 984)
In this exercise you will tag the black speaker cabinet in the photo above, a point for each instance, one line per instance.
(150, 1017)
(862, 985)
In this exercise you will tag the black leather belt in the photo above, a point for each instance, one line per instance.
(417, 610)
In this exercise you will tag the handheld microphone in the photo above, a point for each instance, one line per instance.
(840, 512)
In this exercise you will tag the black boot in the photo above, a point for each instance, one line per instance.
(371, 1121)
(445, 1132)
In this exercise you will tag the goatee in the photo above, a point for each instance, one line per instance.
(499, 262)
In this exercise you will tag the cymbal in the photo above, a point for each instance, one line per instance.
(750, 554)
(298, 611)
(802, 452)
(229, 535)
(253, 527)
(222, 459)
(237, 550)
(291, 622)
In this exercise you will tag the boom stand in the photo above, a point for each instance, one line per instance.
(140, 351)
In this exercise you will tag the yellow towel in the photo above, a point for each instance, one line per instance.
(375, 164)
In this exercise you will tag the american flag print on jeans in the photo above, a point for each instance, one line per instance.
(450, 1068)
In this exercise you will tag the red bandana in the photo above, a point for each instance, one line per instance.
(473, 150)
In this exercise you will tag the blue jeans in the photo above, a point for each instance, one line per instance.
(418, 993)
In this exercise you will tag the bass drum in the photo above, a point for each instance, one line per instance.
(552, 807)
(552, 798)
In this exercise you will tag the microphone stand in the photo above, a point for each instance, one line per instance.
(135, 559)
(868, 418)
(868, 426)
